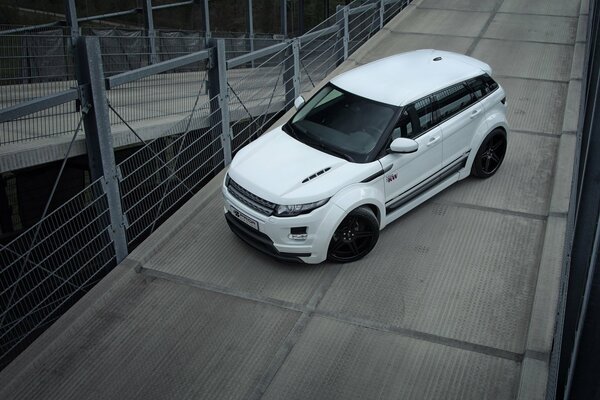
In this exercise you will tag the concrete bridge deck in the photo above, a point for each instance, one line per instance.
(457, 301)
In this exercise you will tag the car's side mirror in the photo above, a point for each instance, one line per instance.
(404, 145)
(299, 102)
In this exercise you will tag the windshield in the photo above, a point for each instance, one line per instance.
(341, 123)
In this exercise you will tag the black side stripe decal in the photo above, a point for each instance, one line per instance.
(427, 184)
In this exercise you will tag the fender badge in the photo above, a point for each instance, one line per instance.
(391, 177)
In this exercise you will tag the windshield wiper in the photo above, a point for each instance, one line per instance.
(331, 151)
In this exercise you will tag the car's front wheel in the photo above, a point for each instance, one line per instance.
(490, 154)
(355, 237)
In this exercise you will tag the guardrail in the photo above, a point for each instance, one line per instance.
(217, 100)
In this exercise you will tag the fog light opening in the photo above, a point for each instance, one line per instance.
(298, 233)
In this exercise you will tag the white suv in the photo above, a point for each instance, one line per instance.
(368, 147)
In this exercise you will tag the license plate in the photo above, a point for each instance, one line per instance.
(244, 218)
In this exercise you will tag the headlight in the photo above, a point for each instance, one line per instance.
(297, 209)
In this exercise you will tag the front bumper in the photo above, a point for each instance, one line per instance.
(260, 241)
(272, 236)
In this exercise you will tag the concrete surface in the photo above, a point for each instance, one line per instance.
(457, 301)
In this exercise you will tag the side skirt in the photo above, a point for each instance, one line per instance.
(400, 211)
(427, 184)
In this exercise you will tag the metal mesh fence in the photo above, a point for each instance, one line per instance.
(33, 65)
(257, 94)
(167, 171)
(50, 263)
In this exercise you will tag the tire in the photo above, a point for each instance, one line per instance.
(355, 237)
(490, 155)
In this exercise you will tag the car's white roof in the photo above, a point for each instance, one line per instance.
(403, 78)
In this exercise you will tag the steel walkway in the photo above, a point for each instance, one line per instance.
(457, 301)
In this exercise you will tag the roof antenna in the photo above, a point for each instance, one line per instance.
(437, 59)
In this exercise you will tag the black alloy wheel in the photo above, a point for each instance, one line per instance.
(355, 237)
(490, 155)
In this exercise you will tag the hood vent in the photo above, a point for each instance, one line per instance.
(318, 173)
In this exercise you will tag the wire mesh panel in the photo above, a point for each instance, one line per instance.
(172, 44)
(166, 172)
(52, 263)
(320, 56)
(122, 49)
(33, 65)
(258, 94)
(161, 96)
(362, 25)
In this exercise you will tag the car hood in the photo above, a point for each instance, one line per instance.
(284, 170)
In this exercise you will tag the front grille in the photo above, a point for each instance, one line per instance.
(251, 200)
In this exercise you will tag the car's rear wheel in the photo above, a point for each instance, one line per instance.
(490, 154)
(355, 237)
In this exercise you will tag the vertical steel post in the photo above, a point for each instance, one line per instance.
(291, 73)
(206, 12)
(341, 19)
(98, 135)
(381, 13)
(250, 22)
(283, 17)
(301, 17)
(71, 15)
(346, 31)
(219, 93)
(149, 30)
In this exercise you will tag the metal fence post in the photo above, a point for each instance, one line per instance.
(283, 17)
(250, 21)
(98, 135)
(291, 73)
(381, 13)
(341, 19)
(346, 39)
(149, 28)
(219, 94)
(72, 22)
(206, 11)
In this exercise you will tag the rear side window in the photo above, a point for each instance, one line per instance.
(482, 85)
(453, 100)
(478, 86)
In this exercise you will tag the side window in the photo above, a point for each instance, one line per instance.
(453, 100)
(490, 83)
(424, 113)
(405, 126)
(478, 86)
(415, 119)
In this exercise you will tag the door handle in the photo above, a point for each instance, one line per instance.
(433, 140)
(474, 114)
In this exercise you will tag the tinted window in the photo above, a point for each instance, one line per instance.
(453, 100)
(482, 85)
(415, 119)
(490, 83)
(478, 86)
(341, 123)
(424, 113)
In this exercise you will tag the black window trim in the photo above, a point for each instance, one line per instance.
(437, 122)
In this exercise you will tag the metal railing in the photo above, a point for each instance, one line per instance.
(216, 97)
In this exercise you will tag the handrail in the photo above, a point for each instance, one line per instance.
(163, 66)
(37, 104)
